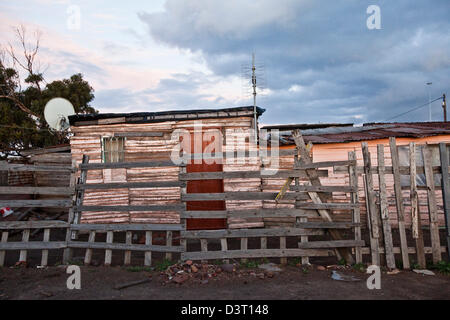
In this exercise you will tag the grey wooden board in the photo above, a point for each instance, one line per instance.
(248, 233)
(42, 224)
(256, 253)
(123, 246)
(128, 165)
(36, 203)
(445, 191)
(283, 174)
(126, 227)
(33, 245)
(241, 195)
(250, 213)
(120, 185)
(324, 164)
(139, 134)
(306, 188)
(169, 207)
(29, 167)
(37, 190)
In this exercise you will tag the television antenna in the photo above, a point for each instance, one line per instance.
(57, 112)
(253, 83)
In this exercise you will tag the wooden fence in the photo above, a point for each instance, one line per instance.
(312, 205)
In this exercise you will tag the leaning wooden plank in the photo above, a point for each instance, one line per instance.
(445, 190)
(313, 176)
(59, 191)
(399, 202)
(67, 254)
(108, 252)
(79, 196)
(384, 210)
(224, 246)
(356, 217)
(25, 238)
(127, 165)
(415, 209)
(239, 233)
(127, 227)
(168, 207)
(28, 167)
(327, 206)
(148, 253)
(256, 253)
(44, 258)
(283, 260)
(3, 253)
(298, 220)
(127, 256)
(120, 185)
(432, 207)
(36, 203)
(32, 245)
(284, 189)
(374, 248)
(88, 254)
(204, 246)
(280, 174)
(42, 224)
(244, 244)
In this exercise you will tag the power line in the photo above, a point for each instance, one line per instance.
(413, 109)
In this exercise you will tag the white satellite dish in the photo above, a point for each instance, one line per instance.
(57, 112)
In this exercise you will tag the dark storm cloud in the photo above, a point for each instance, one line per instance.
(322, 62)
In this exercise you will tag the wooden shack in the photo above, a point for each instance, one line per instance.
(333, 142)
(150, 136)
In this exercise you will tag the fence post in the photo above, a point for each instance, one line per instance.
(445, 191)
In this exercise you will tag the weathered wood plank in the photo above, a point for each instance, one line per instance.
(415, 209)
(356, 217)
(44, 258)
(29, 167)
(36, 203)
(241, 195)
(120, 185)
(281, 174)
(244, 247)
(168, 207)
(169, 244)
(307, 188)
(432, 207)
(248, 233)
(387, 170)
(139, 134)
(127, 165)
(37, 190)
(2, 252)
(25, 238)
(384, 211)
(445, 190)
(127, 255)
(372, 211)
(32, 245)
(108, 252)
(88, 254)
(250, 213)
(148, 253)
(324, 164)
(42, 224)
(399, 202)
(327, 206)
(327, 225)
(127, 227)
(122, 246)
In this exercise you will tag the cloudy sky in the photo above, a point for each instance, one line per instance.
(318, 60)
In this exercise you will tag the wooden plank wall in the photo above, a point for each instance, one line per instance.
(154, 147)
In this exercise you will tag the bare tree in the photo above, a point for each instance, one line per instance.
(27, 62)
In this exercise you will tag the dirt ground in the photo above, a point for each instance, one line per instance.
(292, 283)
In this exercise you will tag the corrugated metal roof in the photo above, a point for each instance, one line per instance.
(370, 131)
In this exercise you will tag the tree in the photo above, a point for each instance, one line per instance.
(22, 123)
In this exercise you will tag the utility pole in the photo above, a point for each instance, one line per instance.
(254, 97)
(444, 106)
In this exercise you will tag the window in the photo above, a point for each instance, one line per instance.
(403, 155)
(113, 149)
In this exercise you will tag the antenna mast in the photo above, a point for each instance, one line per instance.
(254, 97)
